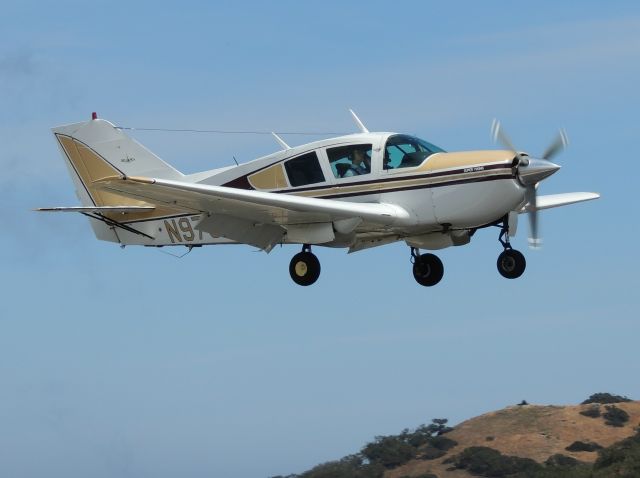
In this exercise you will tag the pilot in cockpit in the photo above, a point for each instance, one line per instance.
(360, 164)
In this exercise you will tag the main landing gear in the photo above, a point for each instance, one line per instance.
(427, 268)
(304, 267)
(511, 263)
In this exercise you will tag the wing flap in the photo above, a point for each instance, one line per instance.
(264, 237)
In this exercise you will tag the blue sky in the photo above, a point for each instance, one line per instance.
(135, 363)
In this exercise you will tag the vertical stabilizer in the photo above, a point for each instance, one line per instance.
(95, 150)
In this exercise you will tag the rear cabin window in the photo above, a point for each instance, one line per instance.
(304, 170)
(351, 160)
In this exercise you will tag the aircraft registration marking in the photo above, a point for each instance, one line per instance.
(181, 230)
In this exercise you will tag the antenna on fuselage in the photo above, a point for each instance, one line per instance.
(359, 124)
(234, 158)
(281, 141)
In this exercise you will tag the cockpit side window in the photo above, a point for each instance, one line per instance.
(351, 160)
(304, 170)
(402, 151)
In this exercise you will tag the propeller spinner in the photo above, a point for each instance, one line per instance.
(530, 172)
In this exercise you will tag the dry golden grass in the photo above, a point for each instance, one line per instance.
(528, 431)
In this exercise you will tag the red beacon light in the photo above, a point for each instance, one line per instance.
(94, 116)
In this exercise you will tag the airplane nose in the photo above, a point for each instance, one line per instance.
(536, 170)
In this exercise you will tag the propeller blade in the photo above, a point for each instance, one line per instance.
(499, 136)
(532, 199)
(560, 142)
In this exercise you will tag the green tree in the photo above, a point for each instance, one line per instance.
(605, 398)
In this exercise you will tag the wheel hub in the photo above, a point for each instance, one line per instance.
(424, 270)
(304, 268)
(301, 268)
(508, 264)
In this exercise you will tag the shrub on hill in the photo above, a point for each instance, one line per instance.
(430, 453)
(562, 466)
(442, 443)
(484, 461)
(605, 398)
(389, 451)
(421, 435)
(591, 412)
(583, 446)
(620, 459)
(351, 466)
(578, 471)
(561, 461)
(487, 462)
(437, 447)
(395, 450)
(426, 475)
(614, 416)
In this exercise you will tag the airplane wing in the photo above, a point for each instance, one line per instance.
(556, 200)
(242, 210)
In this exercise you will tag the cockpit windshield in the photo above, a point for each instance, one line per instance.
(403, 151)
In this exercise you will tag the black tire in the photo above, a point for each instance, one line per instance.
(304, 268)
(511, 264)
(428, 270)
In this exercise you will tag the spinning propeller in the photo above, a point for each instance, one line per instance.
(530, 172)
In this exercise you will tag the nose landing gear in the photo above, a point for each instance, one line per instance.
(511, 263)
(304, 267)
(427, 268)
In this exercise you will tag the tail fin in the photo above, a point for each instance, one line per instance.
(95, 150)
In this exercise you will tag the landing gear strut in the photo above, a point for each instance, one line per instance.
(304, 267)
(427, 268)
(511, 263)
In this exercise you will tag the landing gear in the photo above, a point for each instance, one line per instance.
(304, 267)
(511, 263)
(427, 268)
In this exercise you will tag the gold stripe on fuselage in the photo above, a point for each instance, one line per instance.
(462, 159)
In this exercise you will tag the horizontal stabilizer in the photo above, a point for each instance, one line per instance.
(98, 209)
(557, 200)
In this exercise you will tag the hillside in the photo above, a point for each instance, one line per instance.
(602, 434)
(528, 431)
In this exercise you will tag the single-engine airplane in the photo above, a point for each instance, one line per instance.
(356, 191)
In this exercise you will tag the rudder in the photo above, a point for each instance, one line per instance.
(95, 150)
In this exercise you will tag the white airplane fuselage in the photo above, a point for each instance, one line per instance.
(447, 195)
(357, 191)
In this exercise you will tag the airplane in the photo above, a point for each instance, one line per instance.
(356, 191)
